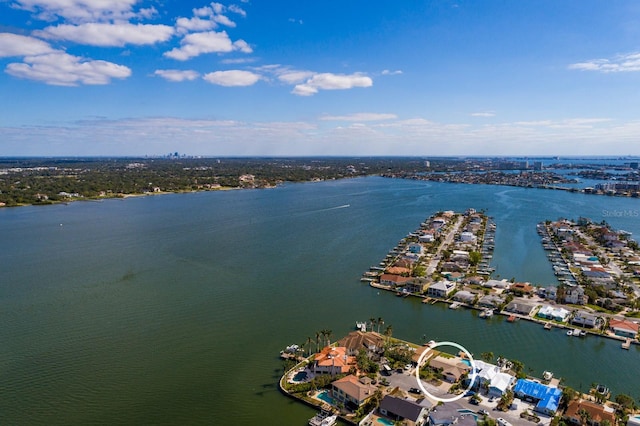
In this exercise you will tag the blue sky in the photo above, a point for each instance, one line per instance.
(296, 78)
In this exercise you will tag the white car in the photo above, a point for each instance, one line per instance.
(502, 422)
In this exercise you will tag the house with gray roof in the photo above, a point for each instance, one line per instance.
(399, 409)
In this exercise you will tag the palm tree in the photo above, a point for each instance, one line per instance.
(308, 343)
(388, 332)
(380, 322)
(372, 321)
(317, 341)
(486, 356)
(323, 335)
(327, 334)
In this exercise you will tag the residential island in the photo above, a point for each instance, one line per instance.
(367, 377)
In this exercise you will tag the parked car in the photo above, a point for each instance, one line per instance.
(416, 390)
(502, 422)
(483, 412)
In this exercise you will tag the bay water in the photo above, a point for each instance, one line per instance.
(172, 309)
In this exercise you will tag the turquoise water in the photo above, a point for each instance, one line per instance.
(385, 421)
(173, 309)
(465, 411)
(324, 395)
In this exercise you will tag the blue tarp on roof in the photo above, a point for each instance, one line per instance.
(548, 397)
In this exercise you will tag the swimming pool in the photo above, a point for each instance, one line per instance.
(466, 361)
(324, 395)
(300, 376)
(465, 411)
(385, 421)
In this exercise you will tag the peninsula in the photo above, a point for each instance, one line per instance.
(368, 378)
(41, 181)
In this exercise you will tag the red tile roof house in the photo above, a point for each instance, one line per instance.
(595, 413)
(393, 280)
(333, 361)
(624, 328)
(352, 391)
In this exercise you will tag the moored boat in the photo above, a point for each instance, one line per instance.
(487, 313)
(323, 418)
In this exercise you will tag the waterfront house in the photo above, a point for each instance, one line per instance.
(333, 361)
(520, 307)
(352, 391)
(398, 270)
(393, 280)
(585, 319)
(371, 341)
(452, 369)
(417, 285)
(465, 296)
(400, 409)
(492, 378)
(623, 327)
(491, 301)
(546, 398)
(405, 262)
(553, 313)
(595, 414)
(441, 289)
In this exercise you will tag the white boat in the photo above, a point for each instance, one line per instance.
(362, 326)
(329, 421)
(487, 313)
(323, 418)
(547, 375)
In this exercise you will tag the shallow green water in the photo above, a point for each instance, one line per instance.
(172, 309)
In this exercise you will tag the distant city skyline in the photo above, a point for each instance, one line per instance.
(285, 78)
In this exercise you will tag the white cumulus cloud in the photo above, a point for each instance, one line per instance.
(103, 34)
(196, 44)
(84, 10)
(622, 63)
(329, 81)
(177, 75)
(19, 45)
(294, 77)
(62, 69)
(186, 25)
(232, 78)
